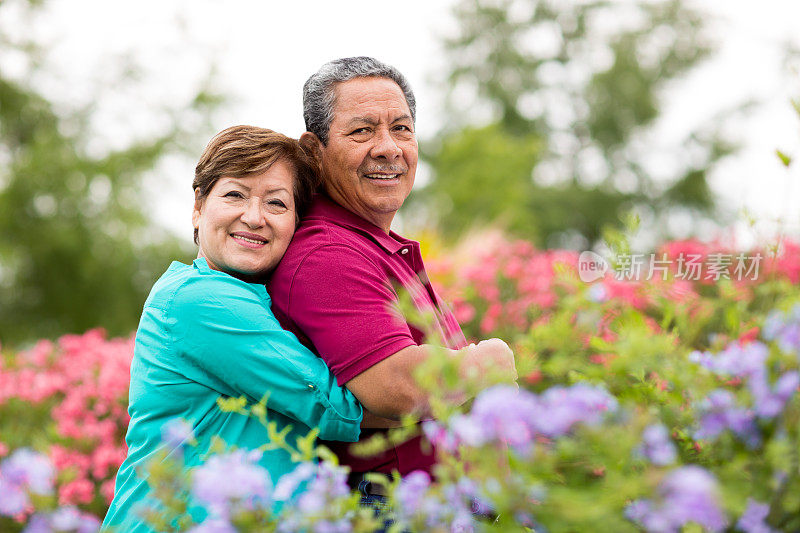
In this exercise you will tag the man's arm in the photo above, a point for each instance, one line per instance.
(343, 301)
(388, 388)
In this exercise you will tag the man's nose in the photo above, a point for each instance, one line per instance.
(253, 215)
(385, 146)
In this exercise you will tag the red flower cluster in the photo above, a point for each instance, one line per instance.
(81, 381)
(502, 286)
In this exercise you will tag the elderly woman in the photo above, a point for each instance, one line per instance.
(207, 330)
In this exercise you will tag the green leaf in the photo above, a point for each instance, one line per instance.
(785, 159)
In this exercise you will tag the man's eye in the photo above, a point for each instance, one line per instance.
(359, 131)
(402, 127)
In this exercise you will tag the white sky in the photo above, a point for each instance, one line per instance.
(265, 51)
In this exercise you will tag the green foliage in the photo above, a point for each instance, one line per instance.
(76, 248)
(570, 89)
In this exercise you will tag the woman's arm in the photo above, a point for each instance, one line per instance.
(232, 343)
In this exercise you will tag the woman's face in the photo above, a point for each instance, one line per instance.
(245, 224)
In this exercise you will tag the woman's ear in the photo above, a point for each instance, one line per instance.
(198, 204)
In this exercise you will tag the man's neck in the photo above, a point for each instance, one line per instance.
(384, 223)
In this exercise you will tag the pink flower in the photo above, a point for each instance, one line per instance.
(76, 492)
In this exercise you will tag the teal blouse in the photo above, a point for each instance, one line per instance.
(205, 334)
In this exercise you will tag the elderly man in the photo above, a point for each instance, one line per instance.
(337, 284)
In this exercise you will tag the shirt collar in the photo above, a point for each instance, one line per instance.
(325, 208)
(201, 264)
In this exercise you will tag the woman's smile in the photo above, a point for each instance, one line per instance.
(249, 240)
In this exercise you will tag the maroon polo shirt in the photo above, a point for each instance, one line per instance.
(337, 289)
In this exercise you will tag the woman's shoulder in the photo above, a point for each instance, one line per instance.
(197, 284)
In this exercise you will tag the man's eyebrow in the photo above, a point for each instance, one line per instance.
(372, 122)
(362, 120)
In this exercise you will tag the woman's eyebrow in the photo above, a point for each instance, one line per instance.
(279, 189)
(233, 181)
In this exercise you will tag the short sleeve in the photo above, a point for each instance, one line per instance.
(230, 341)
(346, 307)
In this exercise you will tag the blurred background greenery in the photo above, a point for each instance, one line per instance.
(547, 105)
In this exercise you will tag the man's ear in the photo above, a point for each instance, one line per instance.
(311, 144)
(198, 204)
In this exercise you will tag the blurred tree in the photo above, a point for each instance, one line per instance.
(569, 90)
(76, 249)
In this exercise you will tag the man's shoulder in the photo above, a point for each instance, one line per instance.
(319, 237)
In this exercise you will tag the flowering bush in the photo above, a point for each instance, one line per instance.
(69, 401)
(643, 404)
(26, 477)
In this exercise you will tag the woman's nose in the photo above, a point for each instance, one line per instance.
(253, 215)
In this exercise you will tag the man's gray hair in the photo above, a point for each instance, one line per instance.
(319, 96)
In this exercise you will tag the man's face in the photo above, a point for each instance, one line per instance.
(371, 155)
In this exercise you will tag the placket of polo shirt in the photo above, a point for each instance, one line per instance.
(418, 267)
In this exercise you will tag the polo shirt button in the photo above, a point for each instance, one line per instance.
(404, 251)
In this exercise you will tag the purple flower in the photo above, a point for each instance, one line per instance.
(13, 499)
(720, 413)
(784, 328)
(597, 293)
(770, 402)
(467, 430)
(22, 472)
(318, 506)
(560, 408)
(688, 494)
(29, 470)
(287, 485)
(177, 432)
(227, 481)
(734, 360)
(38, 523)
(504, 414)
(753, 520)
(462, 524)
(449, 509)
(439, 435)
(411, 491)
(773, 325)
(656, 445)
(67, 518)
(329, 483)
(213, 525)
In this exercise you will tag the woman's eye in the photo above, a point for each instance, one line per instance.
(233, 194)
(276, 207)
